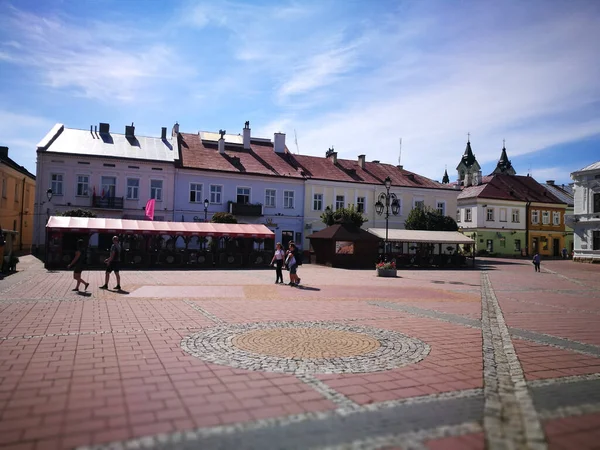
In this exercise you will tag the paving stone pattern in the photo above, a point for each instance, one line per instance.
(492, 357)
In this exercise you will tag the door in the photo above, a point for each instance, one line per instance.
(286, 237)
(535, 245)
(556, 247)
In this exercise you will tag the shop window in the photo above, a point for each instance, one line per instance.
(544, 243)
(490, 245)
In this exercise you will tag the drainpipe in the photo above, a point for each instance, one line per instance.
(21, 222)
(527, 228)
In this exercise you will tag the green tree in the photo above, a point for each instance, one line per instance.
(223, 217)
(429, 219)
(78, 213)
(343, 215)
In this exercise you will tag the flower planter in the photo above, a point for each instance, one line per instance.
(386, 272)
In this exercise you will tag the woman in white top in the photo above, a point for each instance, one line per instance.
(278, 261)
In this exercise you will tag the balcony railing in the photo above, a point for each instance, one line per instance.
(244, 209)
(107, 202)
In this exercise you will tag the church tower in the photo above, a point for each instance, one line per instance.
(446, 178)
(469, 170)
(504, 165)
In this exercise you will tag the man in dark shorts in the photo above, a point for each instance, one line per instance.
(112, 264)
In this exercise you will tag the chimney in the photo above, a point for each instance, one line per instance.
(221, 144)
(400, 166)
(550, 182)
(175, 130)
(163, 133)
(130, 131)
(279, 142)
(247, 134)
(104, 128)
(361, 161)
(376, 161)
(331, 154)
(4, 152)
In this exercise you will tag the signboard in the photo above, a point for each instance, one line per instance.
(344, 247)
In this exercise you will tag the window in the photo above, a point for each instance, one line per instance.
(195, 193)
(216, 192)
(339, 202)
(467, 214)
(288, 199)
(517, 245)
(83, 185)
(270, 196)
(418, 204)
(56, 184)
(490, 246)
(458, 215)
(535, 217)
(441, 208)
(17, 192)
(596, 240)
(243, 195)
(317, 202)
(555, 217)
(156, 187)
(360, 204)
(490, 214)
(597, 203)
(545, 217)
(502, 214)
(4, 187)
(133, 189)
(544, 242)
(109, 185)
(515, 216)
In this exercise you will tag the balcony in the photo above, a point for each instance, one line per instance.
(107, 202)
(245, 209)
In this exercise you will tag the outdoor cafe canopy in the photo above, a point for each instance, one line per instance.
(103, 225)
(430, 237)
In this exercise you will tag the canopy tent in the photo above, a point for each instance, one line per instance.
(430, 237)
(102, 225)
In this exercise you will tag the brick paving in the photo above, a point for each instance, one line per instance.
(109, 368)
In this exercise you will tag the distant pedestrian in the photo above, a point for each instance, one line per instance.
(277, 260)
(292, 264)
(536, 262)
(112, 264)
(565, 253)
(77, 265)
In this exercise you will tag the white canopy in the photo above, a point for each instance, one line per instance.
(431, 237)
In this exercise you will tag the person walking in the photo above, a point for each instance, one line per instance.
(77, 265)
(278, 261)
(112, 264)
(536, 262)
(292, 264)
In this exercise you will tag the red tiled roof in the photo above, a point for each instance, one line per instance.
(260, 159)
(510, 187)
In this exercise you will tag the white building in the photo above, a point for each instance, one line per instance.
(111, 174)
(586, 218)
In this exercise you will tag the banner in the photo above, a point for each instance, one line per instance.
(150, 209)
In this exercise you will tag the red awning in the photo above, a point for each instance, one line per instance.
(101, 225)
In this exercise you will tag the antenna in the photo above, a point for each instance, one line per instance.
(400, 154)
(296, 141)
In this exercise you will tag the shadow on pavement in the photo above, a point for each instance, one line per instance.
(306, 288)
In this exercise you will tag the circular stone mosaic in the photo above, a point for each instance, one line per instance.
(305, 347)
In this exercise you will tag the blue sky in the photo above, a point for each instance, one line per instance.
(356, 75)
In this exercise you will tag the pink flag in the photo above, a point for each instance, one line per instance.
(150, 209)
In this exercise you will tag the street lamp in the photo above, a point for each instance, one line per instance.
(49, 194)
(206, 202)
(384, 202)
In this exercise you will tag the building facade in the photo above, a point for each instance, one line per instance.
(586, 217)
(111, 174)
(252, 178)
(17, 194)
(565, 194)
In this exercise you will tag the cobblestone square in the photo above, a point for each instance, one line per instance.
(492, 357)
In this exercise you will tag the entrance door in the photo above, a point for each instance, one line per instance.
(286, 237)
(535, 245)
(556, 247)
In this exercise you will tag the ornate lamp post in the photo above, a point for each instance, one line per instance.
(385, 202)
(206, 202)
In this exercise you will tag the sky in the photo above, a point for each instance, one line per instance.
(357, 76)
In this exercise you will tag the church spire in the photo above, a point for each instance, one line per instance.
(504, 165)
(446, 178)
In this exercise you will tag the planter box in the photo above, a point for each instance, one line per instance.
(387, 273)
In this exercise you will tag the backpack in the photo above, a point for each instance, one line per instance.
(298, 258)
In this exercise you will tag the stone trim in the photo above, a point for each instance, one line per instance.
(204, 312)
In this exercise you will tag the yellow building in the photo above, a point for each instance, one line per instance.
(17, 194)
